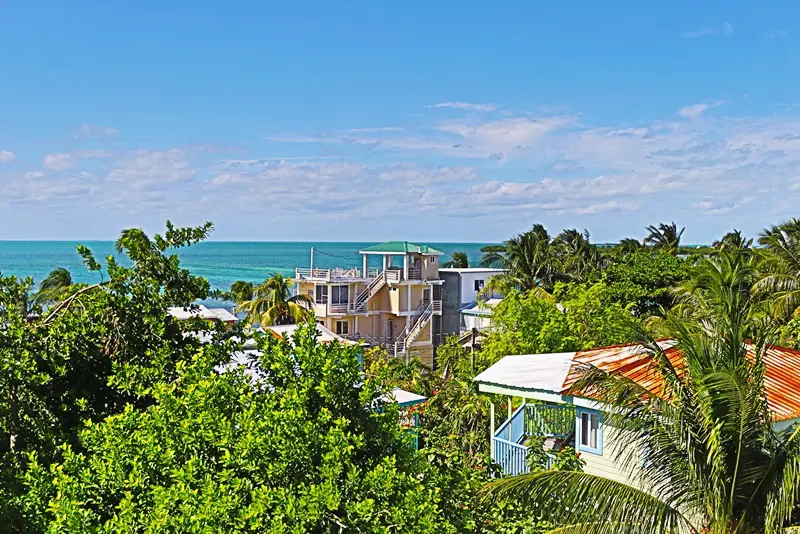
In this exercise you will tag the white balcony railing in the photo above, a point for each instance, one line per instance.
(337, 309)
(334, 274)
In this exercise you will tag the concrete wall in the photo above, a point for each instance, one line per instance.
(451, 301)
(430, 268)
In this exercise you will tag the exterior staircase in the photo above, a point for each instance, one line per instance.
(417, 322)
(359, 304)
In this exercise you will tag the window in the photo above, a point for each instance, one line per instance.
(479, 284)
(339, 295)
(433, 259)
(590, 431)
(322, 295)
(342, 328)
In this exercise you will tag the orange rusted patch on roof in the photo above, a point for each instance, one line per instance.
(781, 372)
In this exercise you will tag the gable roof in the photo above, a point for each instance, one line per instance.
(219, 314)
(558, 373)
(325, 335)
(400, 247)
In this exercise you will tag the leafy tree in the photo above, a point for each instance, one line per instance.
(644, 280)
(714, 462)
(308, 447)
(90, 355)
(665, 237)
(272, 302)
(458, 260)
(594, 317)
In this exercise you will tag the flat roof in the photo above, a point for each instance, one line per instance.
(471, 270)
(400, 247)
(220, 314)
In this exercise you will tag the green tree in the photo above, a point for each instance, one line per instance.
(733, 241)
(309, 447)
(493, 256)
(272, 303)
(458, 260)
(713, 463)
(578, 257)
(665, 237)
(628, 246)
(780, 269)
(644, 280)
(89, 355)
(54, 287)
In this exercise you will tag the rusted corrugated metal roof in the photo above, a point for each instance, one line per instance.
(781, 372)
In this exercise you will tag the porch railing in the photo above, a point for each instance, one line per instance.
(509, 449)
(548, 420)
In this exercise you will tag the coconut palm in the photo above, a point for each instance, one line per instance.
(734, 240)
(458, 260)
(628, 246)
(780, 268)
(272, 302)
(664, 236)
(54, 287)
(709, 459)
(493, 256)
(531, 260)
(578, 257)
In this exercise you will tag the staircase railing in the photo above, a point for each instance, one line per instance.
(359, 304)
(410, 333)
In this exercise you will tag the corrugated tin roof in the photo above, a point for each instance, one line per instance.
(550, 372)
(401, 247)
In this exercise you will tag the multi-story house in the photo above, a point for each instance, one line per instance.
(461, 308)
(398, 305)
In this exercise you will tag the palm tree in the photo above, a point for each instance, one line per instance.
(780, 268)
(578, 256)
(493, 256)
(458, 260)
(531, 259)
(734, 240)
(628, 246)
(54, 287)
(272, 302)
(664, 236)
(709, 459)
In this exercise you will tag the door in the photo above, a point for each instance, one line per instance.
(389, 330)
(426, 296)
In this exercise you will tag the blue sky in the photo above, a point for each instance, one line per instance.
(364, 121)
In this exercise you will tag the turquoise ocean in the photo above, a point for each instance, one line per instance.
(218, 261)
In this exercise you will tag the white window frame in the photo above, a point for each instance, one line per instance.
(590, 416)
(339, 331)
(338, 289)
(479, 284)
(321, 294)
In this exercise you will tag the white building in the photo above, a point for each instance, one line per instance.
(460, 292)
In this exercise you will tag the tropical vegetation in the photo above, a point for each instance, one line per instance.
(115, 418)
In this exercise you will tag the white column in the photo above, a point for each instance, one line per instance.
(408, 300)
(405, 267)
(385, 262)
(491, 429)
(510, 409)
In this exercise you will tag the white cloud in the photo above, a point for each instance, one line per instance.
(469, 106)
(93, 130)
(7, 156)
(776, 34)
(702, 31)
(695, 110)
(59, 162)
(727, 28)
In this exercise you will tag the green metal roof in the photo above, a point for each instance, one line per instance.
(401, 247)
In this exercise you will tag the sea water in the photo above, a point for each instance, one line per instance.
(220, 262)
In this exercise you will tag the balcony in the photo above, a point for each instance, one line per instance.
(335, 275)
(553, 421)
